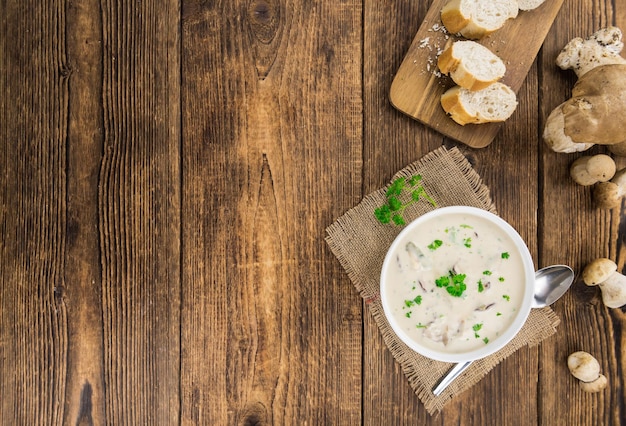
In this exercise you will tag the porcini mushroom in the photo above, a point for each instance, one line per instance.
(603, 273)
(609, 194)
(588, 117)
(586, 369)
(588, 169)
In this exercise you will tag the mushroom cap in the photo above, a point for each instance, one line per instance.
(606, 195)
(596, 386)
(599, 270)
(583, 366)
(597, 99)
(588, 170)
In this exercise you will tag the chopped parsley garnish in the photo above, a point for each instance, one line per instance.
(506, 297)
(501, 279)
(416, 301)
(442, 281)
(420, 325)
(467, 242)
(498, 314)
(487, 272)
(486, 340)
(435, 244)
(463, 225)
(476, 328)
(505, 255)
(453, 283)
(481, 286)
(393, 208)
(408, 314)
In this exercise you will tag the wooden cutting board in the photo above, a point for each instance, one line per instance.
(418, 85)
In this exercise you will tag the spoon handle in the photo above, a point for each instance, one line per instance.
(455, 372)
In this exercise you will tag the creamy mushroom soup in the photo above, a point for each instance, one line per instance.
(455, 283)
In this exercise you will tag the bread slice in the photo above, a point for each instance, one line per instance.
(474, 19)
(471, 65)
(456, 14)
(494, 103)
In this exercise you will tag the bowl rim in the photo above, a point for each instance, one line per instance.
(524, 308)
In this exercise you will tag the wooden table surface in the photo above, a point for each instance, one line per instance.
(168, 170)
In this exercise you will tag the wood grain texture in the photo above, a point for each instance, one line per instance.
(90, 213)
(34, 341)
(84, 397)
(272, 129)
(167, 173)
(139, 212)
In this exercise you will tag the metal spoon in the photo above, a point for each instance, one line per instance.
(551, 283)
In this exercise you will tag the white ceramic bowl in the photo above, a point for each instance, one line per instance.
(515, 319)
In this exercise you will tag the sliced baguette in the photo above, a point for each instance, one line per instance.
(492, 104)
(471, 65)
(474, 19)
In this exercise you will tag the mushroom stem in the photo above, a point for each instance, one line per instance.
(614, 290)
(603, 273)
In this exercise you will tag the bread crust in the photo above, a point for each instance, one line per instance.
(460, 16)
(449, 62)
(452, 17)
(453, 104)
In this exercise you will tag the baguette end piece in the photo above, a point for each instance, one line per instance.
(496, 103)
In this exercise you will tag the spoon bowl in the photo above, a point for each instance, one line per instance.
(551, 283)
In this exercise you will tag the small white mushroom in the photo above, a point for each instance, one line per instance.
(583, 366)
(586, 369)
(609, 194)
(588, 169)
(603, 273)
(595, 386)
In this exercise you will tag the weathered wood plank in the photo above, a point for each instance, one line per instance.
(33, 129)
(84, 396)
(139, 212)
(271, 156)
(391, 141)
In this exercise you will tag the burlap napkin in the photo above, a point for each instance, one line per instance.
(360, 242)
